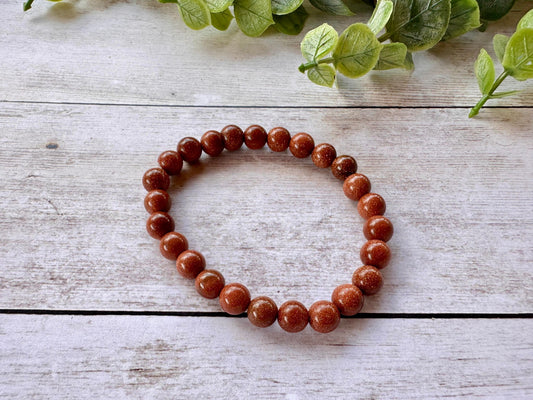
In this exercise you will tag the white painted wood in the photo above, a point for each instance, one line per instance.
(459, 192)
(140, 52)
(65, 357)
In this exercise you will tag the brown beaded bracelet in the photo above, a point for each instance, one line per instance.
(292, 316)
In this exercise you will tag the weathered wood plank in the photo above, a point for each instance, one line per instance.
(140, 52)
(220, 358)
(459, 192)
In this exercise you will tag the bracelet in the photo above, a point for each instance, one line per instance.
(292, 316)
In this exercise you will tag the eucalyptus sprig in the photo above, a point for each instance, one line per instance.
(516, 56)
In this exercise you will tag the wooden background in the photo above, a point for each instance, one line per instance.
(92, 91)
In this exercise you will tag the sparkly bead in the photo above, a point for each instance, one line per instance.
(255, 137)
(190, 149)
(156, 178)
(233, 137)
(279, 139)
(343, 166)
(190, 263)
(371, 204)
(262, 311)
(301, 145)
(348, 298)
(376, 253)
(172, 245)
(212, 143)
(356, 186)
(324, 316)
(171, 162)
(368, 279)
(157, 200)
(234, 298)
(159, 224)
(323, 155)
(378, 227)
(293, 316)
(209, 283)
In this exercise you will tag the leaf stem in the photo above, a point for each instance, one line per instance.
(311, 64)
(384, 37)
(27, 5)
(475, 110)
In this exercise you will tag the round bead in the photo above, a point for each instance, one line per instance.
(368, 279)
(234, 298)
(279, 139)
(159, 224)
(255, 137)
(172, 245)
(262, 311)
(156, 178)
(324, 316)
(190, 149)
(323, 155)
(190, 263)
(212, 143)
(348, 298)
(343, 166)
(233, 137)
(356, 186)
(301, 145)
(378, 227)
(376, 253)
(171, 162)
(371, 204)
(157, 200)
(209, 283)
(293, 316)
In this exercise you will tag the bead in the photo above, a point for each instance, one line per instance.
(376, 253)
(301, 145)
(255, 137)
(156, 178)
(378, 227)
(262, 311)
(172, 245)
(356, 186)
(157, 200)
(292, 316)
(323, 155)
(212, 143)
(234, 298)
(159, 224)
(279, 139)
(209, 283)
(190, 149)
(233, 137)
(368, 279)
(343, 166)
(190, 263)
(348, 298)
(324, 316)
(371, 204)
(171, 162)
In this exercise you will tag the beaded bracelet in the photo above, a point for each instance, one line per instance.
(323, 316)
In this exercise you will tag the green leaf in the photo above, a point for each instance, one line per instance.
(392, 56)
(464, 17)
(194, 13)
(334, 7)
(499, 42)
(282, 7)
(293, 23)
(357, 51)
(319, 42)
(408, 63)
(217, 6)
(518, 57)
(253, 16)
(504, 94)
(484, 69)
(420, 24)
(492, 10)
(221, 20)
(381, 15)
(526, 21)
(322, 74)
